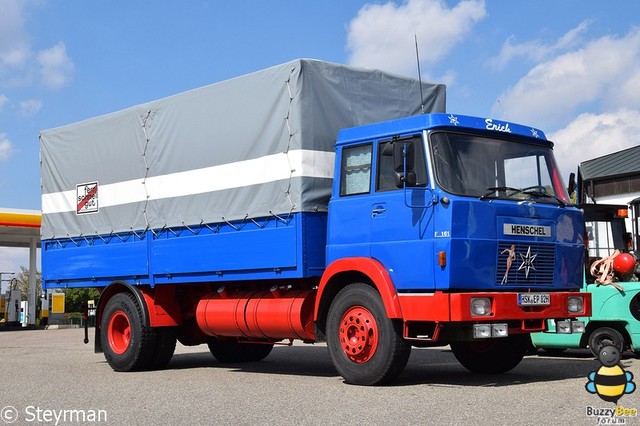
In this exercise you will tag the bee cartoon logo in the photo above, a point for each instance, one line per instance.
(610, 381)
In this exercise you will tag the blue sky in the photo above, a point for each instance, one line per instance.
(571, 67)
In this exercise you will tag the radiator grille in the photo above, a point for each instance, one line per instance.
(533, 264)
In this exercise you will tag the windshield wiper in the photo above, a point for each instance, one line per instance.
(526, 191)
(492, 190)
(545, 195)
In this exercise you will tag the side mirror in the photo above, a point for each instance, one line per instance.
(404, 163)
(572, 184)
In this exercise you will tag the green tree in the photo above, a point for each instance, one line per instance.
(75, 299)
(22, 278)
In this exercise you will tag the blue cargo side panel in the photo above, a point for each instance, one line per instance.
(223, 253)
(93, 262)
(267, 248)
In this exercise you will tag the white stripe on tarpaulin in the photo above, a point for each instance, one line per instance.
(270, 168)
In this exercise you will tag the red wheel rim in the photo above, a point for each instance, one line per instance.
(358, 334)
(119, 332)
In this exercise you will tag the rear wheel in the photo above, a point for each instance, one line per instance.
(605, 336)
(165, 347)
(128, 343)
(230, 351)
(491, 356)
(366, 346)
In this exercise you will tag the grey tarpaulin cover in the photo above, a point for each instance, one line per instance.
(249, 147)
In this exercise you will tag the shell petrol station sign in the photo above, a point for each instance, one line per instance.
(21, 228)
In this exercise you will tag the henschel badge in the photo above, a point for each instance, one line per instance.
(527, 262)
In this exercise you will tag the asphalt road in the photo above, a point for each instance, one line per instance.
(50, 376)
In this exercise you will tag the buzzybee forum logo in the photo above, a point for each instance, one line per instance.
(610, 382)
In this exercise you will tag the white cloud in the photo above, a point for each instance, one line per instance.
(3, 101)
(11, 258)
(15, 48)
(590, 136)
(30, 107)
(19, 62)
(56, 68)
(536, 50)
(382, 35)
(6, 147)
(14, 45)
(598, 75)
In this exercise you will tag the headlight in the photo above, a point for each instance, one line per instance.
(485, 331)
(482, 331)
(480, 306)
(577, 327)
(563, 327)
(575, 304)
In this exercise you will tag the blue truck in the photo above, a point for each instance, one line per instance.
(232, 216)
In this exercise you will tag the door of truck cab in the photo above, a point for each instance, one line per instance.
(402, 218)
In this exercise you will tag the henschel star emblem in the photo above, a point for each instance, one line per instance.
(527, 262)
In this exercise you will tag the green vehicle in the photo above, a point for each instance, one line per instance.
(615, 316)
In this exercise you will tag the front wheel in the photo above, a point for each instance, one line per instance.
(366, 347)
(491, 356)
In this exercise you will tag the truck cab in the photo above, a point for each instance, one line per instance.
(472, 223)
(455, 203)
(615, 318)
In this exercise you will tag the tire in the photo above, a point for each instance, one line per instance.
(165, 347)
(128, 343)
(231, 351)
(605, 336)
(366, 347)
(491, 356)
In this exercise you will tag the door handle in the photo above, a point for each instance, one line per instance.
(378, 210)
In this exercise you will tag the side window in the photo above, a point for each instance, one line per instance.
(385, 178)
(356, 170)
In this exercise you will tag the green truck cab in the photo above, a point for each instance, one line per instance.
(615, 316)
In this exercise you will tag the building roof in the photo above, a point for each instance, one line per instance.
(625, 162)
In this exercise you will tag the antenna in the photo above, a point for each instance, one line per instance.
(504, 113)
(415, 36)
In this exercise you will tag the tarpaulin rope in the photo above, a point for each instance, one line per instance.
(291, 133)
(146, 167)
(602, 270)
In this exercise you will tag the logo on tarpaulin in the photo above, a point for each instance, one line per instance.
(87, 198)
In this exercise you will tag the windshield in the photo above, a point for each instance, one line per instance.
(484, 167)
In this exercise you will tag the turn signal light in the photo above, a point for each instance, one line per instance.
(442, 258)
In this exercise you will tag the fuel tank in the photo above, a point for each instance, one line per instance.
(274, 315)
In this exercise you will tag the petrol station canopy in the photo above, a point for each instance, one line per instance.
(19, 227)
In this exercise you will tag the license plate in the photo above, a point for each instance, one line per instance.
(533, 299)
